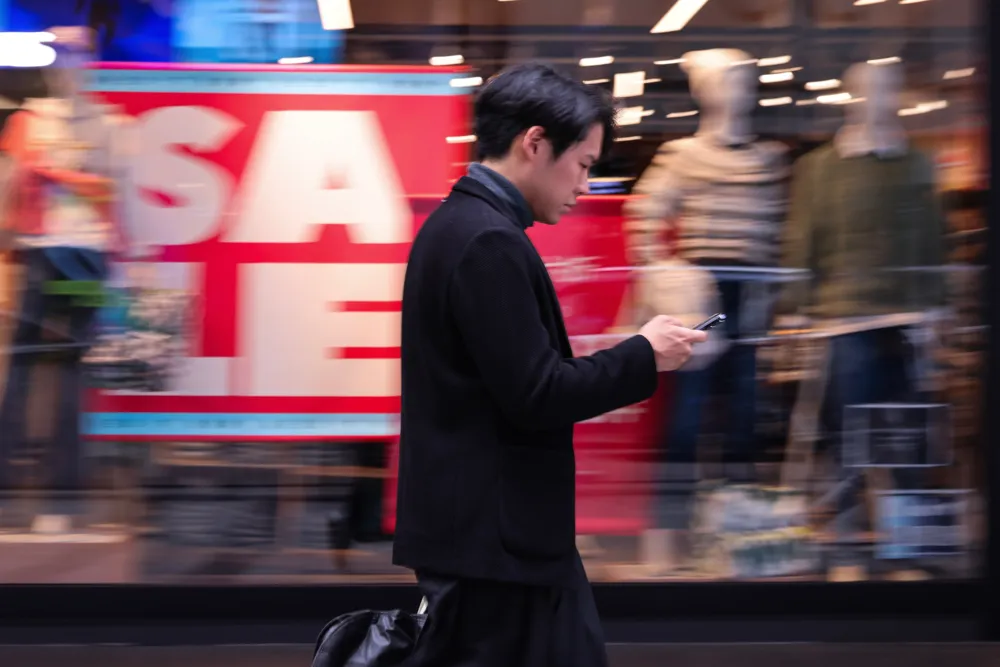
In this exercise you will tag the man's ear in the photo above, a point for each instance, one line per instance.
(531, 141)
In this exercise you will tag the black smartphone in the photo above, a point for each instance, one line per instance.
(711, 322)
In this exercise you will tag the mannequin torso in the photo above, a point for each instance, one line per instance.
(73, 135)
(728, 200)
(723, 187)
(865, 216)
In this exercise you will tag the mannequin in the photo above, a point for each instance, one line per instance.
(63, 218)
(723, 192)
(722, 186)
(863, 207)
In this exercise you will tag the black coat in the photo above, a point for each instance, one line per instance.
(490, 395)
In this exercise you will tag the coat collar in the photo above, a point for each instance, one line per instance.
(472, 187)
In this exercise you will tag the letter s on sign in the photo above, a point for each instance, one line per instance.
(313, 168)
(197, 188)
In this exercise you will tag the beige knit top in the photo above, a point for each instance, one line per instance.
(729, 203)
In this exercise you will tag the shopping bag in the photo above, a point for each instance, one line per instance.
(370, 638)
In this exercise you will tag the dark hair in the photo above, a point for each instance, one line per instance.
(523, 96)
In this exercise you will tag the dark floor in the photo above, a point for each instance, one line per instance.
(677, 655)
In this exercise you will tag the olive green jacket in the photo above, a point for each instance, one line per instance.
(871, 232)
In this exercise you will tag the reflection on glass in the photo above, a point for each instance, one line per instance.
(833, 208)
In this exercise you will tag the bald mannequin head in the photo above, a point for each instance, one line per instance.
(875, 90)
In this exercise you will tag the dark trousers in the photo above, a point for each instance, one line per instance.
(868, 367)
(36, 306)
(733, 375)
(474, 623)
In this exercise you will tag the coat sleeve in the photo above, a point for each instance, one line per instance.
(497, 313)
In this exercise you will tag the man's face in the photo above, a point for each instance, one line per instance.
(557, 183)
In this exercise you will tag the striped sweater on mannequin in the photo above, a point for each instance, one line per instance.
(729, 203)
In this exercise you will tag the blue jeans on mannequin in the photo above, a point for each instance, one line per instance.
(65, 451)
(734, 374)
(868, 367)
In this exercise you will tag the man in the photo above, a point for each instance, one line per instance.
(491, 390)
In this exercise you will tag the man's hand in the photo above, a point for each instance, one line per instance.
(671, 342)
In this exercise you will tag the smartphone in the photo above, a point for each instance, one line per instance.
(711, 322)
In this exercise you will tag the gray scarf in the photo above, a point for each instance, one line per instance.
(505, 190)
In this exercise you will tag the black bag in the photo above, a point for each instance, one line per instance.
(369, 639)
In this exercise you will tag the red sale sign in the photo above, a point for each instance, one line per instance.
(284, 199)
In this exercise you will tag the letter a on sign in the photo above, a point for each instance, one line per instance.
(312, 168)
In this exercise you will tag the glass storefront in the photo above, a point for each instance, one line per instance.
(818, 171)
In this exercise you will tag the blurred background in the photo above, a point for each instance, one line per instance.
(199, 358)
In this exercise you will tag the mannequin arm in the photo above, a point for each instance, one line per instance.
(126, 148)
(798, 239)
(10, 144)
(627, 317)
(98, 189)
(14, 140)
(934, 248)
(650, 212)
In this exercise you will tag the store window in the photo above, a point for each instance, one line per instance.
(815, 171)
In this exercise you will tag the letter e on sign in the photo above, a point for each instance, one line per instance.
(294, 329)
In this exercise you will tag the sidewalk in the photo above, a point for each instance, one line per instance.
(622, 655)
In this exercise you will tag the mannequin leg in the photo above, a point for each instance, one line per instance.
(740, 441)
(901, 387)
(67, 449)
(856, 373)
(737, 376)
(14, 405)
(675, 483)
